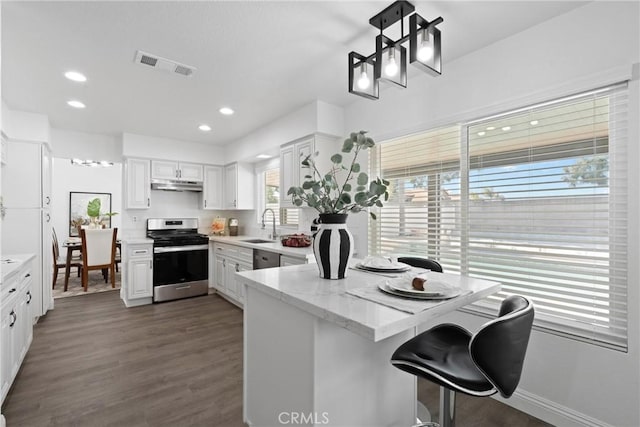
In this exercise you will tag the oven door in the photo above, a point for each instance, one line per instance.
(180, 264)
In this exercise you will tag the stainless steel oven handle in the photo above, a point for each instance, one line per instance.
(180, 249)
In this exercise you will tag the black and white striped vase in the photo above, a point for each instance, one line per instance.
(333, 246)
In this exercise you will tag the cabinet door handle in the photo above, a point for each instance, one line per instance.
(48, 200)
(205, 203)
(12, 290)
(148, 202)
(140, 251)
(150, 265)
(13, 321)
(237, 267)
(30, 297)
(48, 218)
(27, 275)
(224, 262)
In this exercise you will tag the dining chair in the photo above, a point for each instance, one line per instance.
(425, 263)
(61, 262)
(481, 364)
(98, 253)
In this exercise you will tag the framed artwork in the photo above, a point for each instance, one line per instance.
(79, 208)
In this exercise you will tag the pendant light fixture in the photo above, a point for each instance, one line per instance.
(389, 62)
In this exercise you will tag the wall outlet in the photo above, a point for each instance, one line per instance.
(135, 219)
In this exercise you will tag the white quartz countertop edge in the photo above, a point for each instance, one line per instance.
(10, 269)
(396, 321)
(275, 246)
(136, 240)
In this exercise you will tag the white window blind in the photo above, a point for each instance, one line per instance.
(546, 213)
(269, 197)
(535, 199)
(422, 215)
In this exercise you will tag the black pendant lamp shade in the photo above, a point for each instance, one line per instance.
(389, 62)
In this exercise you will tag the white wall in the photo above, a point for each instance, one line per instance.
(68, 177)
(564, 382)
(86, 146)
(316, 117)
(23, 126)
(152, 147)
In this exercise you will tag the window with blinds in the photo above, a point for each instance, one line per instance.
(270, 197)
(422, 215)
(536, 201)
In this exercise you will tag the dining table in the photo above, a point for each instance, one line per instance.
(73, 244)
(319, 350)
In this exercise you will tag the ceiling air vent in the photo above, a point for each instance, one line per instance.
(164, 64)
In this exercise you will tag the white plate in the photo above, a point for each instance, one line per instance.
(450, 293)
(382, 264)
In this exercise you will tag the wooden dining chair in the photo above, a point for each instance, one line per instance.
(98, 253)
(61, 262)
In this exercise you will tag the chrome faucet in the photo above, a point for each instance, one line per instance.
(273, 235)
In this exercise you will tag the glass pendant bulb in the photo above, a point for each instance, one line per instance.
(392, 68)
(425, 52)
(363, 81)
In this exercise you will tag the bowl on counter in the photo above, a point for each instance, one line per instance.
(296, 240)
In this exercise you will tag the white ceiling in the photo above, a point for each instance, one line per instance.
(262, 58)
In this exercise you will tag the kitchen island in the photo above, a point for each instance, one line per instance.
(315, 355)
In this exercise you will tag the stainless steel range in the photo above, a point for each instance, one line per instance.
(180, 258)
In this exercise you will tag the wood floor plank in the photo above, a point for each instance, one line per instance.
(94, 362)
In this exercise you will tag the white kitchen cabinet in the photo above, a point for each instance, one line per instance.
(162, 169)
(16, 326)
(3, 148)
(137, 184)
(291, 155)
(238, 186)
(230, 259)
(137, 273)
(212, 188)
(26, 226)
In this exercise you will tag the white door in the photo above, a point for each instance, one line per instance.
(286, 175)
(46, 177)
(6, 357)
(47, 261)
(218, 282)
(140, 278)
(190, 172)
(138, 184)
(212, 188)
(164, 170)
(231, 186)
(230, 279)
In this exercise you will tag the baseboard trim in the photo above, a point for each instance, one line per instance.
(549, 411)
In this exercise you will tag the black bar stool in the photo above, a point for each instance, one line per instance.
(488, 362)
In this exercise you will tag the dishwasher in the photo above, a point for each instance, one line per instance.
(265, 259)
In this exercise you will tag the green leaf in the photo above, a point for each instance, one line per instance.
(360, 188)
(378, 203)
(373, 216)
(297, 202)
(347, 187)
(355, 167)
(385, 182)
(345, 198)
(363, 178)
(336, 158)
(360, 198)
(93, 208)
(347, 146)
(307, 185)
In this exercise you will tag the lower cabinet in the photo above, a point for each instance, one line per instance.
(16, 327)
(137, 274)
(227, 261)
(286, 260)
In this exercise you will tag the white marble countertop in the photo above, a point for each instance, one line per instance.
(11, 263)
(300, 286)
(274, 246)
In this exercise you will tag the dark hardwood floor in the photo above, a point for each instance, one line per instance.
(95, 363)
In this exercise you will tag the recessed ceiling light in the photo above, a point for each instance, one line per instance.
(226, 111)
(75, 76)
(263, 156)
(481, 133)
(506, 128)
(533, 122)
(490, 128)
(204, 128)
(76, 104)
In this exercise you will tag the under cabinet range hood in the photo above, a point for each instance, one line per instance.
(171, 185)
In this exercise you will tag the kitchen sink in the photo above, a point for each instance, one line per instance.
(257, 241)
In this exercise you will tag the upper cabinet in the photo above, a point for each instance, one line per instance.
(238, 186)
(138, 184)
(291, 171)
(22, 176)
(161, 169)
(212, 188)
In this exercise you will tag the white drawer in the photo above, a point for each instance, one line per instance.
(232, 251)
(139, 251)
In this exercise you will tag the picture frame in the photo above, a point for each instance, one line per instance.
(78, 201)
